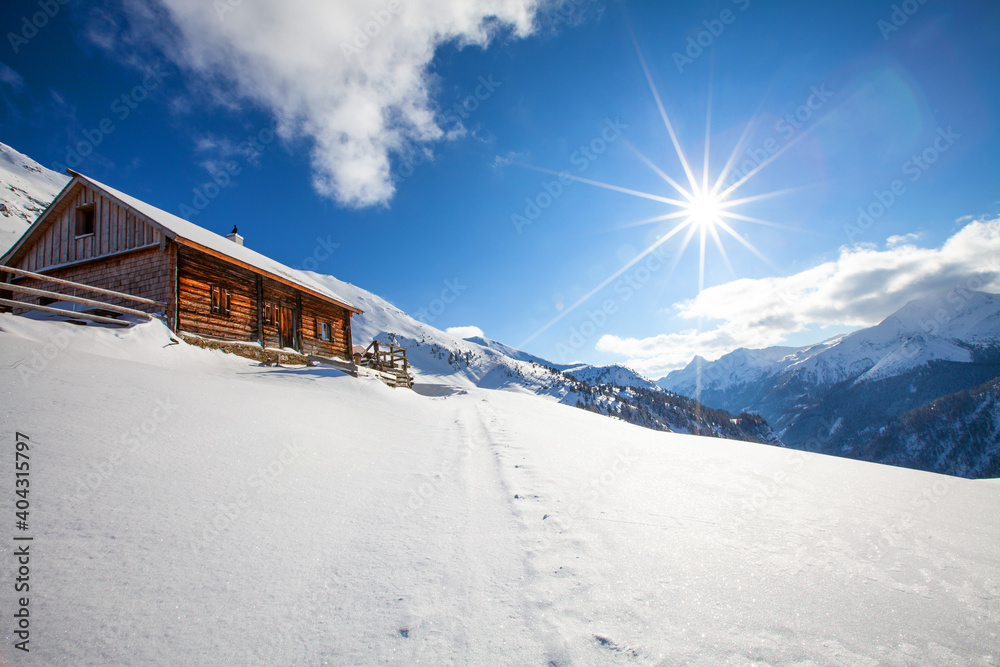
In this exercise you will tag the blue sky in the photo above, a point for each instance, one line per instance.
(422, 162)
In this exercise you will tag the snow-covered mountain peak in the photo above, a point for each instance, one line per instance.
(515, 353)
(941, 327)
(964, 315)
(730, 370)
(615, 374)
(26, 188)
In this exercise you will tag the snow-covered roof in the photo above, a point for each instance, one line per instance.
(175, 226)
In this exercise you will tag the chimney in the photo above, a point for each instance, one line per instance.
(235, 237)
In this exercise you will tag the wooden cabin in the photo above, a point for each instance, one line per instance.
(212, 286)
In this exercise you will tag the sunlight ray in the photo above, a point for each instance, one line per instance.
(708, 139)
(677, 186)
(722, 249)
(796, 139)
(760, 221)
(687, 240)
(749, 246)
(768, 195)
(607, 281)
(738, 149)
(733, 156)
(703, 229)
(608, 186)
(663, 114)
(655, 218)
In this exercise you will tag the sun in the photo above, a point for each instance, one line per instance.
(705, 209)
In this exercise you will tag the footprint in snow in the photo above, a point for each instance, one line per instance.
(611, 646)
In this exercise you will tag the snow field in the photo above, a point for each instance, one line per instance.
(191, 507)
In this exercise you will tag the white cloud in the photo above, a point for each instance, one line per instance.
(902, 239)
(500, 161)
(861, 288)
(352, 76)
(466, 332)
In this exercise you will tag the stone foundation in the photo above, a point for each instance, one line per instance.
(266, 356)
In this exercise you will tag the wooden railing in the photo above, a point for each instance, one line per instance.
(72, 298)
(385, 356)
(389, 361)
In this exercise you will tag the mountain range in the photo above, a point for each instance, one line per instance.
(871, 394)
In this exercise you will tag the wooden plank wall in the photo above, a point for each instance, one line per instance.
(314, 310)
(197, 272)
(144, 273)
(115, 231)
(280, 295)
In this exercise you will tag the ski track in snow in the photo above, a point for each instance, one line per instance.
(298, 516)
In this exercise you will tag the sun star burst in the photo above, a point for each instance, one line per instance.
(704, 208)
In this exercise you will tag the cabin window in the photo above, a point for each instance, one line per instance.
(270, 313)
(84, 220)
(221, 300)
(324, 331)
